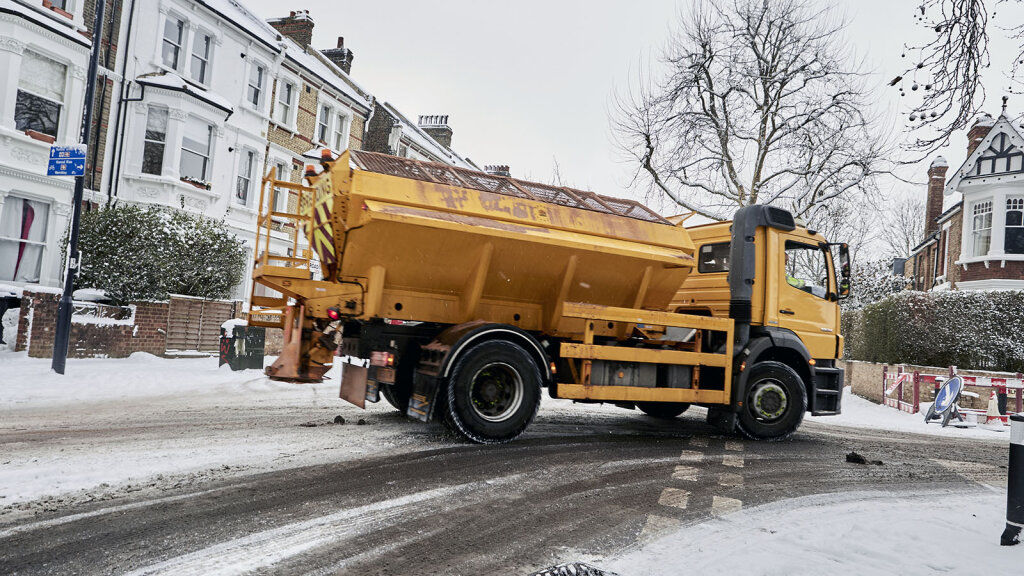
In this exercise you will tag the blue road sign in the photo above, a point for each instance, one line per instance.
(66, 161)
(948, 393)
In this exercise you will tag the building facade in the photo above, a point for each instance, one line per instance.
(977, 243)
(44, 53)
(196, 100)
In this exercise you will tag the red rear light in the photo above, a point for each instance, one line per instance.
(382, 359)
(333, 313)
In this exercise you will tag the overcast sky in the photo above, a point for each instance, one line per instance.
(531, 82)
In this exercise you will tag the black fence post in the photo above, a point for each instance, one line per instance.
(1015, 484)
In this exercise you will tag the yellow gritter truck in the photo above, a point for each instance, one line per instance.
(460, 295)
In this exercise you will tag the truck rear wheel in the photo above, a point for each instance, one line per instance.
(494, 392)
(775, 402)
(397, 395)
(663, 410)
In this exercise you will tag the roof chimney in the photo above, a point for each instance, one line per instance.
(498, 170)
(437, 128)
(341, 56)
(936, 184)
(298, 26)
(977, 133)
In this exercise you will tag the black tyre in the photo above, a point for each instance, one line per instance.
(493, 392)
(775, 402)
(663, 410)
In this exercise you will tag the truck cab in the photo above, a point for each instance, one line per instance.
(793, 304)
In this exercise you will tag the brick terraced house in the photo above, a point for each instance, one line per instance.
(977, 243)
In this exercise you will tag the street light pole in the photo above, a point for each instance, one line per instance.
(63, 332)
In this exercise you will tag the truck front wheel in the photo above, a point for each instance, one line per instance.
(494, 392)
(775, 402)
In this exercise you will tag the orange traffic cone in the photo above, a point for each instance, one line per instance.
(992, 415)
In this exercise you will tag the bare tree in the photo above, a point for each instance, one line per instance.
(943, 74)
(901, 225)
(759, 103)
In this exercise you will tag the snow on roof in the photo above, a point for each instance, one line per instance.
(47, 19)
(939, 161)
(334, 77)
(985, 120)
(177, 83)
(246, 20)
(424, 140)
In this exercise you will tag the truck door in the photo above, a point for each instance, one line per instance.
(807, 295)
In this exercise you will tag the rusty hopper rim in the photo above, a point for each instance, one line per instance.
(484, 182)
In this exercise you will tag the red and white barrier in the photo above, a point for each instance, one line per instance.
(893, 382)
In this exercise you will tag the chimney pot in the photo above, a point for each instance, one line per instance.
(341, 42)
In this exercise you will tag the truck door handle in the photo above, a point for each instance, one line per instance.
(790, 312)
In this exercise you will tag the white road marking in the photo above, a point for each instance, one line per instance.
(732, 461)
(656, 525)
(691, 456)
(685, 473)
(699, 442)
(674, 497)
(271, 546)
(734, 446)
(721, 505)
(730, 480)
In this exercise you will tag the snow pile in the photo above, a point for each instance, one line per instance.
(861, 413)
(8, 291)
(861, 533)
(90, 295)
(229, 325)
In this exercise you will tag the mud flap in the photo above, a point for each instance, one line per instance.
(424, 395)
(353, 384)
(723, 418)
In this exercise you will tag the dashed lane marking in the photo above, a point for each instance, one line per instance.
(732, 461)
(685, 473)
(734, 446)
(691, 456)
(699, 442)
(674, 497)
(656, 526)
(730, 480)
(721, 505)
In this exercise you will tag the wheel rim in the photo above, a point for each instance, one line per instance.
(496, 392)
(768, 400)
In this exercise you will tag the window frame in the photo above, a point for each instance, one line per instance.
(208, 157)
(1013, 204)
(342, 130)
(259, 90)
(829, 271)
(207, 68)
(975, 230)
(182, 38)
(701, 268)
(290, 111)
(147, 141)
(247, 169)
(44, 243)
(61, 105)
(323, 124)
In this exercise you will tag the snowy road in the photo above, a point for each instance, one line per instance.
(179, 468)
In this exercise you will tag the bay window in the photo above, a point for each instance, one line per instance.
(154, 141)
(40, 96)
(22, 239)
(981, 228)
(1014, 241)
(195, 150)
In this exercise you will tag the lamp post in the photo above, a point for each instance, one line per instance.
(62, 333)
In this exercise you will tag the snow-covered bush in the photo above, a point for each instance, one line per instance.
(983, 330)
(145, 253)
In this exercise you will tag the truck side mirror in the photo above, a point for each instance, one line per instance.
(844, 270)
